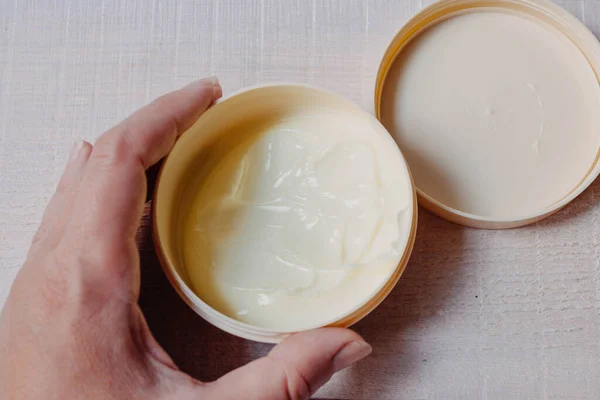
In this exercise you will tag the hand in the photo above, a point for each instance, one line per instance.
(71, 327)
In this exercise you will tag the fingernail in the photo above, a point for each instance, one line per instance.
(75, 149)
(213, 82)
(351, 353)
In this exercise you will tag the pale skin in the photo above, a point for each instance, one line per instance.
(71, 327)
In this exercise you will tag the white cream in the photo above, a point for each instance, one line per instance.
(300, 221)
(498, 114)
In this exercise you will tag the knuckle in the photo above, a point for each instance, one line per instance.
(112, 148)
(96, 274)
(296, 386)
(160, 102)
(164, 106)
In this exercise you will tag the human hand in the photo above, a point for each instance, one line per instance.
(71, 327)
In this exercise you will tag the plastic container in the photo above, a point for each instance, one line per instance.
(256, 101)
(248, 106)
(539, 11)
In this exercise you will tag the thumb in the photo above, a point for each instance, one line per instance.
(294, 369)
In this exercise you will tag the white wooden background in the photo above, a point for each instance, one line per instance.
(478, 314)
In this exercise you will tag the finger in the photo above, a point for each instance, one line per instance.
(58, 209)
(109, 206)
(294, 369)
(150, 132)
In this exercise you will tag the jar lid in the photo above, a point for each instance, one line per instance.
(495, 107)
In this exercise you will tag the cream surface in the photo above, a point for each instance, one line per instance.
(496, 113)
(300, 221)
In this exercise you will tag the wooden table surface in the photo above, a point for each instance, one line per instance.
(477, 315)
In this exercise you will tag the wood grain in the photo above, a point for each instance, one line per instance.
(477, 315)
